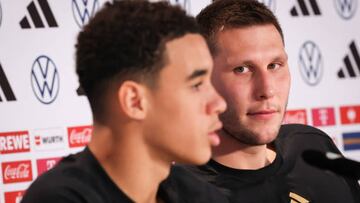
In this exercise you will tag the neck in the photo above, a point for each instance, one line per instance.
(232, 153)
(127, 161)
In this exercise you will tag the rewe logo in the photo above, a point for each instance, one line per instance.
(271, 4)
(17, 171)
(346, 8)
(14, 197)
(45, 80)
(5, 87)
(44, 165)
(306, 7)
(84, 10)
(310, 63)
(323, 116)
(352, 63)
(79, 136)
(350, 114)
(185, 4)
(48, 139)
(35, 16)
(14, 142)
(295, 116)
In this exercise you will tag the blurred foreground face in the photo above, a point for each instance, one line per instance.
(184, 106)
(251, 73)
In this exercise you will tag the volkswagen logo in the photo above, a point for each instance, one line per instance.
(310, 63)
(346, 8)
(185, 4)
(45, 80)
(84, 10)
(271, 4)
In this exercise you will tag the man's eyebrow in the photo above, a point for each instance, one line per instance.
(281, 57)
(197, 73)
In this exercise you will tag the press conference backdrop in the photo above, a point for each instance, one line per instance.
(44, 117)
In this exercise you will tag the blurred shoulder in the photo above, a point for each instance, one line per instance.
(190, 188)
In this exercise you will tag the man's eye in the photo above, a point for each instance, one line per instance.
(274, 66)
(241, 69)
(197, 86)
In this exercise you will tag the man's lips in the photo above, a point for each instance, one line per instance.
(262, 114)
(213, 135)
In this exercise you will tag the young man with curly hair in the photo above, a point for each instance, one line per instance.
(146, 72)
(258, 159)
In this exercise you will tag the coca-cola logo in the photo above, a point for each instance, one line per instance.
(79, 136)
(19, 171)
(22, 171)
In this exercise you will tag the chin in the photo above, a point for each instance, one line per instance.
(258, 136)
(268, 137)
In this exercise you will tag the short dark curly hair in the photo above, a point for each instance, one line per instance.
(223, 14)
(126, 41)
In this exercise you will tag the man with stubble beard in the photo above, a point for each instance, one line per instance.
(259, 160)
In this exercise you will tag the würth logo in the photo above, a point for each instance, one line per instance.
(84, 10)
(48, 139)
(306, 8)
(352, 63)
(35, 17)
(16, 171)
(346, 8)
(295, 116)
(14, 142)
(79, 136)
(5, 87)
(45, 80)
(310, 63)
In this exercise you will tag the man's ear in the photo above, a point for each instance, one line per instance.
(132, 99)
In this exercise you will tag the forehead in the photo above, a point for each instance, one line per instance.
(187, 53)
(247, 42)
(250, 36)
